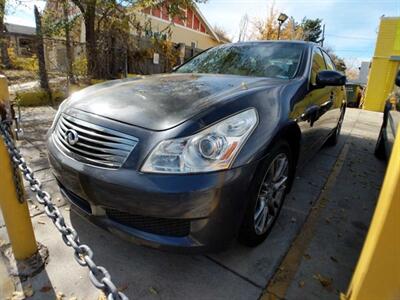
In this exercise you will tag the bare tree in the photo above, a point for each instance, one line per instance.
(5, 60)
(243, 27)
(68, 46)
(44, 80)
(352, 68)
(88, 10)
(221, 32)
(339, 62)
(91, 8)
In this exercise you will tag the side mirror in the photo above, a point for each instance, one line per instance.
(397, 81)
(330, 78)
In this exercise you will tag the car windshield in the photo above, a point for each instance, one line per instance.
(276, 60)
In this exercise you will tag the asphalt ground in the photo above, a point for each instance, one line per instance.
(310, 254)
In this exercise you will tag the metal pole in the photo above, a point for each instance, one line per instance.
(16, 214)
(279, 29)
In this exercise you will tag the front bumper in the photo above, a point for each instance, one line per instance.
(211, 204)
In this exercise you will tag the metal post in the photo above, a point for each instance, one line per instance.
(16, 214)
(323, 36)
(279, 29)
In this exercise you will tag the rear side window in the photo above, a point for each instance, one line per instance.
(329, 63)
(318, 65)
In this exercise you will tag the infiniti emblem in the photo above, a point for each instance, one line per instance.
(71, 136)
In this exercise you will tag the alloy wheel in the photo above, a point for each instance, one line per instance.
(271, 193)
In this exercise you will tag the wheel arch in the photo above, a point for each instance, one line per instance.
(290, 133)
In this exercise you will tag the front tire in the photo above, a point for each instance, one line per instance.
(268, 192)
(334, 138)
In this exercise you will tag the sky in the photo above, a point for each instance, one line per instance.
(350, 25)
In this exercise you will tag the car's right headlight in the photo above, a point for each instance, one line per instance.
(211, 149)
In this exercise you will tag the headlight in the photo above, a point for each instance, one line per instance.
(209, 150)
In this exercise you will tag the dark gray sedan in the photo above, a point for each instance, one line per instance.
(193, 159)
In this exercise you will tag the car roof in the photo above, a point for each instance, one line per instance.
(306, 43)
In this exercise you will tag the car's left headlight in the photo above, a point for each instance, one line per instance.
(211, 149)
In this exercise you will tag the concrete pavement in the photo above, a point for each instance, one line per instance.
(239, 272)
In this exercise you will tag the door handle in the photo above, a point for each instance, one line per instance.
(327, 104)
(311, 114)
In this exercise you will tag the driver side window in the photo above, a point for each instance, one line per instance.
(318, 65)
(329, 63)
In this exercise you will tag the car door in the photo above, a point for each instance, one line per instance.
(336, 100)
(311, 109)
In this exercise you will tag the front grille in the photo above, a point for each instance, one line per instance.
(94, 144)
(160, 226)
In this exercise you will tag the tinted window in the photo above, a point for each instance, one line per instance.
(317, 65)
(329, 63)
(277, 60)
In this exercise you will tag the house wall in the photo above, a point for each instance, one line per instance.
(19, 49)
(56, 54)
(146, 65)
(180, 33)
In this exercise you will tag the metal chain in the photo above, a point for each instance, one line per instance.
(98, 275)
(16, 175)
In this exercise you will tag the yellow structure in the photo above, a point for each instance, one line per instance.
(377, 275)
(385, 64)
(16, 215)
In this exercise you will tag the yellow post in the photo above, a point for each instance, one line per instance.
(384, 64)
(16, 215)
(377, 275)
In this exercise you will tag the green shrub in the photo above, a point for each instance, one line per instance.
(23, 63)
(38, 97)
(79, 67)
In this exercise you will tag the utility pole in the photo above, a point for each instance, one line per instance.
(323, 36)
(281, 19)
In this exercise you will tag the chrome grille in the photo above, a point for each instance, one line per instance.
(95, 144)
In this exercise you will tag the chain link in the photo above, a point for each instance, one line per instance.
(16, 175)
(98, 275)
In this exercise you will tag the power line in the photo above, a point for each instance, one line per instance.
(310, 1)
(351, 37)
(348, 50)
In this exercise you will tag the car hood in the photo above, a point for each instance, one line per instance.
(160, 102)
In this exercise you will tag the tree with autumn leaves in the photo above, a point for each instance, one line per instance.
(306, 30)
(123, 12)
